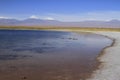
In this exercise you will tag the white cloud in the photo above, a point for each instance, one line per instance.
(34, 17)
(96, 15)
(49, 18)
(3, 17)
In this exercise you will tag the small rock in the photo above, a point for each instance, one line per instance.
(24, 77)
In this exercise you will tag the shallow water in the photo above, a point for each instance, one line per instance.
(48, 55)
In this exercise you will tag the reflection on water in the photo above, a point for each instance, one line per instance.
(12, 57)
(35, 49)
(48, 55)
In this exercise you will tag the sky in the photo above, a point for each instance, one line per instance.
(63, 10)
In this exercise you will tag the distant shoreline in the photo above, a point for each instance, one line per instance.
(59, 28)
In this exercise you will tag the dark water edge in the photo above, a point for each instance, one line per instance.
(27, 60)
(100, 63)
(103, 52)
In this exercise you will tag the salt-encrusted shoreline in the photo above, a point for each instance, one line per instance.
(110, 67)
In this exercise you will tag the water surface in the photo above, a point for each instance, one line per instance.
(48, 55)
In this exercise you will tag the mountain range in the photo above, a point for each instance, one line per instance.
(41, 22)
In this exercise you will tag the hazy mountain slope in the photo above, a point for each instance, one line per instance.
(40, 22)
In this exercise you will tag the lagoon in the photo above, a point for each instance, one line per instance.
(49, 55)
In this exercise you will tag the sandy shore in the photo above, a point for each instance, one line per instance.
(110, 67)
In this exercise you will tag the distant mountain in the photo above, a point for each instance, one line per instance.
(8, 22)
(41, 22)
(102, 24)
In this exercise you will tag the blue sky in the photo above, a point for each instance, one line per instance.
(63, 10)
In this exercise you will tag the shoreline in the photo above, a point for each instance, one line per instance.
(108, 70)
(101, 73)
(100, 55)
(103, 51)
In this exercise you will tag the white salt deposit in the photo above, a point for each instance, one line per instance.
(110, 68)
